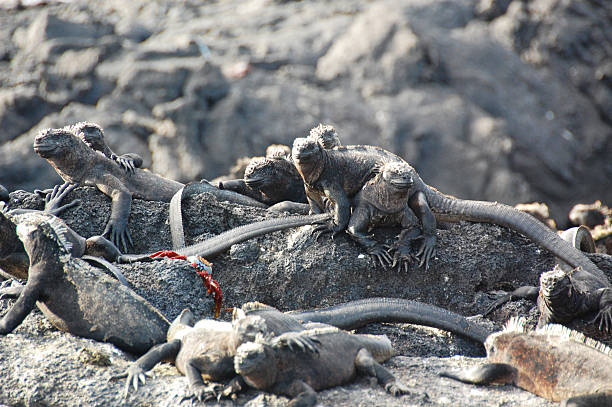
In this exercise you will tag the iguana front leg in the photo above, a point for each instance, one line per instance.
(22, 307)
(302, 394)
(357, 229)
(342, 207)
(54, 199)
(601, 300)
(418, 203)
(137, 371)
(500, 373)
(117, 226)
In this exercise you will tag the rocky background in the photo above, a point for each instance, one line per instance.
(496, 100)
(489, 99)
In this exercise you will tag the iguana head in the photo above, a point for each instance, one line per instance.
(306, 150)
(269, 171)
(398, 175)
(278, 151)
(91, 133)
(555, 283)
(43, 236)
(250, 328)
(497, 344)
(256, 363)
(325, 135)
(54, 142)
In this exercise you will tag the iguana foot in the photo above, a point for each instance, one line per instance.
(125, 162)
(397, 388)
(205, 393)
(604, 316)
(427, 250)
(53, 198)
(118, 233)
(402, 257)
(135, 374)
(381, 254)
(297, 341)
(323, 229)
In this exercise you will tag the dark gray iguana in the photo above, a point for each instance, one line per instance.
(14, 260)
(274, 179)
(564, 295)
(341, 173)
(206, 350)
(270, 366)
(75, 297)
(77, 163)
(553, 362)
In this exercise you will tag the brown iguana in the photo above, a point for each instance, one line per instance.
(74, 296)
(553, 362)
(206, 349)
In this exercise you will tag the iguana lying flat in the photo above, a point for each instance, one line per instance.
(553, 362)
(268, 365)
(209, 346)
(75, 297)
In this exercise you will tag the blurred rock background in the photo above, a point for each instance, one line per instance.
(502, 100)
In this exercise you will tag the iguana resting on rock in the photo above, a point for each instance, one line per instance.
(75, 297)
(345, 172)
(274, 180)
(269, 365)
(93, 135)
(14, 260)
(75, 162)
(553, 362)
(564, 295)
(206, 349)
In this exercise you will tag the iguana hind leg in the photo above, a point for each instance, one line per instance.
(365, 364)
(526, 292)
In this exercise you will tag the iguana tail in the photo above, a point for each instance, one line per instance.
(355, 314)
(449, 209)
(225, 240)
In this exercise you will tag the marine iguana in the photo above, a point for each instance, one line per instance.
(74, 296)
(75, 162)
(212, 344)
(336, 174)
(93, 135)
(14, 260)
(270, 366)
(274, 180)
(553, 362)
(564, 295)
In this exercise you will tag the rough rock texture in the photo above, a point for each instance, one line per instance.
(290, 270)
(491, 99)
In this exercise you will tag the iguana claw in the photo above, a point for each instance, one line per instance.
(604, 316)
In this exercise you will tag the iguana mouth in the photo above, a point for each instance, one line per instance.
(401, 183)
(255, 181)
(43, 149)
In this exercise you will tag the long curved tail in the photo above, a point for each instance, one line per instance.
(450, 209)
(358, 313)
(225, 240)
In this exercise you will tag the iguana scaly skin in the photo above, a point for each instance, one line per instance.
(13, 258)
(340, 356)
(75, 297)
(212, 344)
(75, 162)
(553, 362)
(337, 174)
(93, 135)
